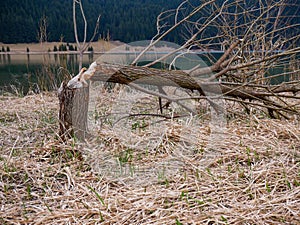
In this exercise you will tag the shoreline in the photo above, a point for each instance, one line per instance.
(49, 53)
(48, 47)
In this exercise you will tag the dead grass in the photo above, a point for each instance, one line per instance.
(254, 178)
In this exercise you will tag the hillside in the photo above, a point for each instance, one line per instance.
(125, 20)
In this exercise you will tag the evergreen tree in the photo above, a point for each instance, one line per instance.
(124, 20)
(62, 47)
(71, 48)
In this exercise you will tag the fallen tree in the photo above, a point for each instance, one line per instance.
(255, 39)
(133, 75)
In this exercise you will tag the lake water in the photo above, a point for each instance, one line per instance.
(24, 71)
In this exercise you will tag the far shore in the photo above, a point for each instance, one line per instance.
(50, 53)
(99, 47)
(48, 47)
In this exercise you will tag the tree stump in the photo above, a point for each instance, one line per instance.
(73, 112)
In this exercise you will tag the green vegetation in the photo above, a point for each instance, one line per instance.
(125, 20)
(62, 47)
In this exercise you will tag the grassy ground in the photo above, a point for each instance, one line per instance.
(254, 180)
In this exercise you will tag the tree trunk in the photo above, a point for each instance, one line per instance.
(260, 94)
(80, 113)
(73, 111)
(143, 75)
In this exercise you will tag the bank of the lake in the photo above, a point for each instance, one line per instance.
(45, 47)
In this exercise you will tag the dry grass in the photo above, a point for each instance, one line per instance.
(254, 178)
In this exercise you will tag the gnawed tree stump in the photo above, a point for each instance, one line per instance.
(73, 109)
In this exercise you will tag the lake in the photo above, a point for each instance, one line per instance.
(23, 70)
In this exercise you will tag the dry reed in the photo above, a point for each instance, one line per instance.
(253, 179)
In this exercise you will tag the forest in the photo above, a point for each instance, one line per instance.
(124, 20)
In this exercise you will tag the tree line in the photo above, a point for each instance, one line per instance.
(124, 20)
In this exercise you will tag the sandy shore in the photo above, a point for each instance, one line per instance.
(38, 48)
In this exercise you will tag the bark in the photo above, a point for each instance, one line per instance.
(72, 113)
(232, 91)
(144, 75)
(65, 96)
(80, 113)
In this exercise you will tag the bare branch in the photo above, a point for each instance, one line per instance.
(82, 47)
(170, 30)
(75, 23)
(257, 64)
